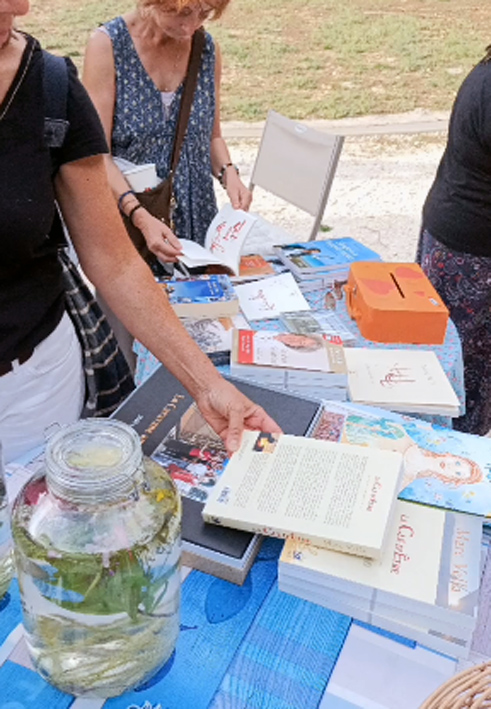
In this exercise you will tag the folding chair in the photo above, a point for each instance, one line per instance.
(297, 164)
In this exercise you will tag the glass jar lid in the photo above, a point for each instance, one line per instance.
(94, 461)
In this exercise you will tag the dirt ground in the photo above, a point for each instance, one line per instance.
(377, 195)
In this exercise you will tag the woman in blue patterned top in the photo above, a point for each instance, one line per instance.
(134, 71)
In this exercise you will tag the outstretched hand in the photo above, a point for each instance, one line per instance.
(228, 412)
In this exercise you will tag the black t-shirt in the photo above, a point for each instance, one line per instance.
(31, 294)
(457, 210)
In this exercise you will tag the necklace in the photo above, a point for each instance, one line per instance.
(18, 84)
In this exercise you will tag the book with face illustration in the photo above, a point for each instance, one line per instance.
(441, 467)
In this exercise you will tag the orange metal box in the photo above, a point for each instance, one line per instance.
(395, 302)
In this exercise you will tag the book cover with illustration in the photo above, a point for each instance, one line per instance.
(441, 467)
(310, 322)
(224, 241)
(408, 381)
(268, 297)
(306, 356)
(204, 296)
(214, 337)
(324, 256)
(333, 495)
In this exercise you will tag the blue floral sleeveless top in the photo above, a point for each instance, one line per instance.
(143, 132)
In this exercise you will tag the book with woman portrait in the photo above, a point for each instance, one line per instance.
(442, 467)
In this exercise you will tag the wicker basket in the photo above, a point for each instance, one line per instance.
(470, 689)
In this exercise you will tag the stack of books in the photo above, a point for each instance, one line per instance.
(425, 586)
(320, 264)
(310, 365)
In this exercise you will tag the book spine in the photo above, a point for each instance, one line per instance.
(333, 544)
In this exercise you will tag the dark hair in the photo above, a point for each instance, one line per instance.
(487, 57)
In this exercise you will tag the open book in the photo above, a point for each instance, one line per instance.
(330, 494)
(223, 243)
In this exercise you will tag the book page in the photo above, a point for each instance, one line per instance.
(226, 235)
(291, 485)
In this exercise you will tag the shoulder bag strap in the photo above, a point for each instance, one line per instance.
(190, 83)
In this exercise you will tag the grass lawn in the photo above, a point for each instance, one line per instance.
(315, 58)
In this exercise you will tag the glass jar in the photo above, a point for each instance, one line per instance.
(97, 546)
(6, 562)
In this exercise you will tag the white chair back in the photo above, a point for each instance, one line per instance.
(297, 163)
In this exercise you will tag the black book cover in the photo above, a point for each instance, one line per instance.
(158, 406)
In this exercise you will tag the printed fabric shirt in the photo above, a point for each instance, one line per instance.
(144, 130)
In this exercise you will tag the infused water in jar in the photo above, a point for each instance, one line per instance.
(97, 548)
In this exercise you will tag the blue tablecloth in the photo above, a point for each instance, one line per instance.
(449, 354)
(240, 646)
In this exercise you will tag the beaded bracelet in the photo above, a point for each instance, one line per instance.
(133, 210)
(223, 170)
(122, 196)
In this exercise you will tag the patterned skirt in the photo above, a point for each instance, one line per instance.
(464, 283)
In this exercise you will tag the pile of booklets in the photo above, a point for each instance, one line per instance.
(322, 264)
(310, 365)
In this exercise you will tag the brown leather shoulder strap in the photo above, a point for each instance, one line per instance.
(198, 42)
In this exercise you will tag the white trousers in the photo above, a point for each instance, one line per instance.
(46, 390)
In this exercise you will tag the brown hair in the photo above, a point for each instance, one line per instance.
(217, 6)
(487, 57)
(476, 475)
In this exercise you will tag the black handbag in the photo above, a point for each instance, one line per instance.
(160, 201)
(108, 380)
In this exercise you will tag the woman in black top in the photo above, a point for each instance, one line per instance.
(455, 244)
(31, 294)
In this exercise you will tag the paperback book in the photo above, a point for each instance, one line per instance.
(331, 257)
(306, 358)
(425, 585)
(408, 381)
(162, 411)
(211, 296)
(214, 337)
(336, 496)
(268, 297)
(311, 322)
(441, 467)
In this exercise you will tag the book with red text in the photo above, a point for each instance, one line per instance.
(331, 494)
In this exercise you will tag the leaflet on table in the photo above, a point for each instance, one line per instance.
(336, 496)
(442, 467)
(270, 296)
